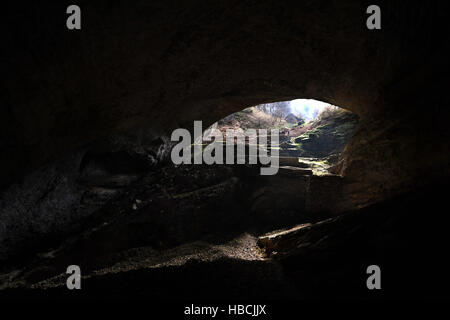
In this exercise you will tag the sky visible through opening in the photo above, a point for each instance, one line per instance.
(307, 108)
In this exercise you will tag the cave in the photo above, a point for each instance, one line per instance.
(86, 176)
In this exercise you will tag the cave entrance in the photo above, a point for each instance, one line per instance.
(311, 137)
(312, 133)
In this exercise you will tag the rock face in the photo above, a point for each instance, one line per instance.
(147, 69)
(292, 118)
(320, 260)
(327, 135)
(386, 233)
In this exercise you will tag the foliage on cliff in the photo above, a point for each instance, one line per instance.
(328, 134)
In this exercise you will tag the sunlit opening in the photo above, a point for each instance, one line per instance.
(307, 109)
(312, 133)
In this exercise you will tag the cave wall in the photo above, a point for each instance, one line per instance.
(147, 68)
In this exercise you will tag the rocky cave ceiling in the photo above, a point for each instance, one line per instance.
(149, 68)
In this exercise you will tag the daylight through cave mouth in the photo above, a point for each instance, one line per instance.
(311, 134)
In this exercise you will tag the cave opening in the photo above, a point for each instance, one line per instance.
(311, 137)
(311, 134)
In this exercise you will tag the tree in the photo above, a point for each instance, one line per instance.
(279, 110)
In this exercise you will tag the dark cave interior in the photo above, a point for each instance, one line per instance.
(86, 176)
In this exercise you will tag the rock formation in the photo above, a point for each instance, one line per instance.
(78, 107)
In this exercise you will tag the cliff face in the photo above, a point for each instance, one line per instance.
(327, 135)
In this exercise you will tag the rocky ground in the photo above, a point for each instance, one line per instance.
(327, 259)
(166, 216)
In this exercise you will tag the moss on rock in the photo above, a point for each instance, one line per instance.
(329, 134)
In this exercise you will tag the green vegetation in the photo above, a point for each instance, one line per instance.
(328, 134)
(324, 138)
